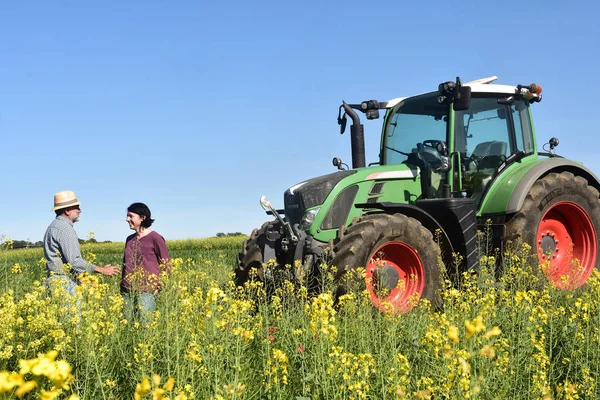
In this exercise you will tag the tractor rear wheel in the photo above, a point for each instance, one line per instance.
(400, 258)
(559, 219)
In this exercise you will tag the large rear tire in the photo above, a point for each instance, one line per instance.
(559, 219)
(399, 255)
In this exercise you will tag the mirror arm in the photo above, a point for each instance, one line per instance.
(349, 111)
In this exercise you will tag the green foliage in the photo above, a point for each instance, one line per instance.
(221, 234)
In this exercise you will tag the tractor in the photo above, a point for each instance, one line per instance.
(451, 161)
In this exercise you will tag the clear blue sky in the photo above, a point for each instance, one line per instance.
(199, 108)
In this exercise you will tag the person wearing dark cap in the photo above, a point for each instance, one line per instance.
(145, 254)
(61, 245)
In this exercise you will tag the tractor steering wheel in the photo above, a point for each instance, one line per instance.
(431, 143)
(429, 152)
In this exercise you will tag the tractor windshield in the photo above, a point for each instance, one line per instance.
(417, 122)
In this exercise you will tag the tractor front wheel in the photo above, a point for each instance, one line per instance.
(559, 219)
(250, 260)
(399, 256)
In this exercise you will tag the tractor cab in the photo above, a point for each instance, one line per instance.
(459, 150)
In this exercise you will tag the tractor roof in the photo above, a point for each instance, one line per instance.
(482, 85)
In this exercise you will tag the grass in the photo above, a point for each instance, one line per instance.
(514, 336)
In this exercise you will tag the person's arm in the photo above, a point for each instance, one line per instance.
(163, 253)
(71, 253)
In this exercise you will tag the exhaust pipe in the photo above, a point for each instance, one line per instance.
(357, 138)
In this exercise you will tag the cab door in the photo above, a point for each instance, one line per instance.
(485, 135)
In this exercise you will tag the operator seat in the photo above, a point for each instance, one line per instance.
(488, 155)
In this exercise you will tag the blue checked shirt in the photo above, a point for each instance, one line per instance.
(61, 246)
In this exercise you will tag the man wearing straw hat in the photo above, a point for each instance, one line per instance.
(61, 245)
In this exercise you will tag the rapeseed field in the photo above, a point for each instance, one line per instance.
(503, 333)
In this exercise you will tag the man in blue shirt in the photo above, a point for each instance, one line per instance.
(61, 245)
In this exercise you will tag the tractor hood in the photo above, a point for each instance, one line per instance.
(311, 193)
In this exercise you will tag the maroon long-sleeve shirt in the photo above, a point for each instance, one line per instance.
(141, 262)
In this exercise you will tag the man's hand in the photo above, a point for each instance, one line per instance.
(108, 270)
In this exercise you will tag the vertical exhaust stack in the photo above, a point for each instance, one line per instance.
(357, 138)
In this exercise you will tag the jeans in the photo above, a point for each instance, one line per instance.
(68, 286)
(67, 283)
(139, 305)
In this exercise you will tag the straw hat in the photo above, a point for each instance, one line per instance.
(65, 199)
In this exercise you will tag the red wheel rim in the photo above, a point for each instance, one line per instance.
(567, 247)
(395, 275)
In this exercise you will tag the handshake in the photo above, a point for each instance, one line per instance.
(108, 270)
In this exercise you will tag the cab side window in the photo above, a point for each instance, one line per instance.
(486, 134)
(483, 138)
(522, 121)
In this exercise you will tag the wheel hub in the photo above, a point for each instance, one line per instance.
(385, 278)
(548, 244)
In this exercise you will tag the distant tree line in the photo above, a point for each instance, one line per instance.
(92, 240)
(23, 244)
(26, 244)
(221, 234)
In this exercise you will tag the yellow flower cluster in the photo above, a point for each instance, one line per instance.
(351, 372)
(230, 391)
(16, 269)
(142, 353)
(57, 374)
(158, 392)
(399, 378)
(475, 326)
(322, 316)
(277, 369)
(30, 324)
(6, 243)
(232, 315)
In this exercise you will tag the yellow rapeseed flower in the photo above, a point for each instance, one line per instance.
(495, 331)
(142, 389)
(475, 326)
(453, 333)
(10, 380)
(25, 388)
(169, 384)
(488, 351)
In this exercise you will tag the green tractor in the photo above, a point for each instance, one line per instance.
(450, 161)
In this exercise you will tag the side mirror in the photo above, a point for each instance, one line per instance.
(342, 122)
(456, 93)
(464, 100)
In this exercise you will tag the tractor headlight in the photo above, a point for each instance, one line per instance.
(308, 219)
